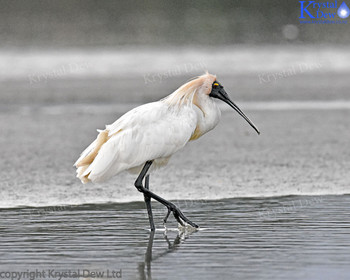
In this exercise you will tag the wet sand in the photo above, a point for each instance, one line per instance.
(301, 152)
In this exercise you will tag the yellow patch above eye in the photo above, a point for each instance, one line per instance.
(216, 84)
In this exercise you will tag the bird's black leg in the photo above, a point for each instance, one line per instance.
(179, 216)
(166, 216)
(148, 204)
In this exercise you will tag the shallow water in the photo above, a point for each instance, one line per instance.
(294, 237)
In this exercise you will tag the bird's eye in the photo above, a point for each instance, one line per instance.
(215, 85)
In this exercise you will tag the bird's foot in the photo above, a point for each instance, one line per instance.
(179, 216)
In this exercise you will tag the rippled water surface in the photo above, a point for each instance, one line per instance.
(295, 237)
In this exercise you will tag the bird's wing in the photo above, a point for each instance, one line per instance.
(145, 133)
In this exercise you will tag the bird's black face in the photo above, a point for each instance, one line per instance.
(218, 91)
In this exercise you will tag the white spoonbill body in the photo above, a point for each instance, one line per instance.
(147, 136)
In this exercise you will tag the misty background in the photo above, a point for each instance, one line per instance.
(116, 23)
(140, 51)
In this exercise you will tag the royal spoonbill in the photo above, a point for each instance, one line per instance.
(147, 136)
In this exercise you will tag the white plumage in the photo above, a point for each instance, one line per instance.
(153, 131)
(150, 132)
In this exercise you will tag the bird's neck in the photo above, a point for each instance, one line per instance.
(208, 115)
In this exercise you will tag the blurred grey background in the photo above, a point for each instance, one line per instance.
(113, 23)
(139, 51)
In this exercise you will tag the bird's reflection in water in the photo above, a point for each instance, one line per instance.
(145, 268)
